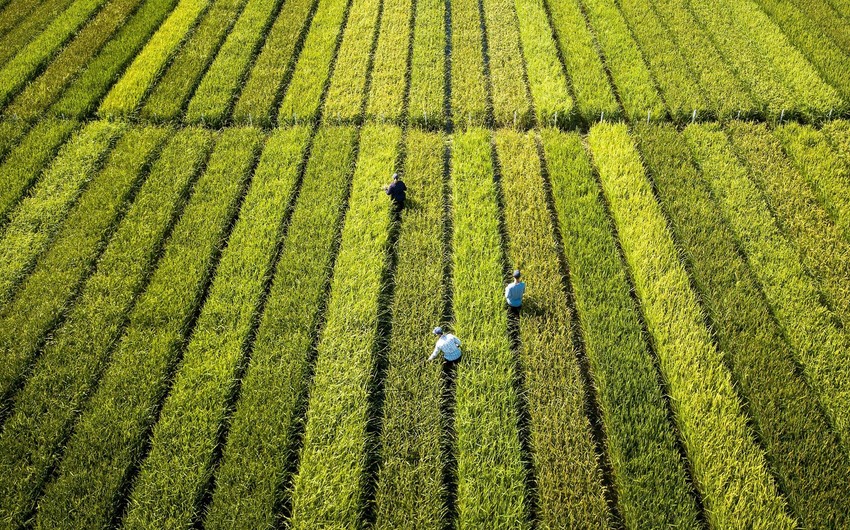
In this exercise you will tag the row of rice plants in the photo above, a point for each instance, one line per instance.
(392, 53)
(728, 466)
(468, 89)
(214, 97)
(622, 55)
(410, 491)
(647, 469)
(256, 461)
(72, 360)
(594, 95)
(508, 91)
(30, 26)
(328, 488)
(11, 130)
(546, 80)
(260, 93)
(567, 478)
(842, 7)
(802, 449)
(491, 485)
(838, 132)
(310, 77)
(726, 93)
(115, 420)
(426, 102)
(83, 94)
(820, 244)
(127, 94)
(829, 19)
(168, 99)
(793, 295)
(10, 15)
(34, 221)
(347, 90)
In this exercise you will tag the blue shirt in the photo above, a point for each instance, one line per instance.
(514, 292)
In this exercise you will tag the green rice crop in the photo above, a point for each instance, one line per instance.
(729, 468)
(260, 93)
(508, 91)
(11, 131)
(469, 93)
(809, 326)
(169, 97)
(838, 132)
(71, 361)
(303, 96)
(428, 65)
(568, 480)
(327, 490)
(35, 220)
(410, 491)
(214, 97)
(30, 26)
(491, 491)
(13, 12)
(127, 94)
(348, 85)
(389, 72)
(647, 469)
(803, 452)
(255, 465)
(828, 18)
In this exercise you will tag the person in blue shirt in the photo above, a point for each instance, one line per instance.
(514, 292)
(396, 191)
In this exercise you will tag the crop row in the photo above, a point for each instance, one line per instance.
(428, 65)
(829, 18)
(33, 23)
(11, 131)
(508, 91)
(468, 89)
(389, 71)
(803, 452)
(650, 477)
(72, 360)
(10, 15)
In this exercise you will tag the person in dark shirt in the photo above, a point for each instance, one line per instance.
(396, 191)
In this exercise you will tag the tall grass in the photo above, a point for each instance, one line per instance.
(509, 93)
(389, 72)
(728, 466)
(469, 93)
(428, 65)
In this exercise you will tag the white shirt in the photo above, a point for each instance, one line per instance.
(449, 345)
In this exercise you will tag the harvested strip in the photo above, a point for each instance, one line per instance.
(647, 468)
(623, 58)
(171, 94)
(127, 94)
(347, 90)
(389, 72)
(255, 465)
(136, 381)
(802, 449)
(327, 489)
(214, 97)
(568, 480)
(25, 162)
(277, 59)
(302, 100)
(469, 93)
(507, 76)
(426, 105)
(410, 491)
(35, 220)
(728, 466)
(71, 362)
(30, 27)
(594, 95)
(44, 90)
(490, 473)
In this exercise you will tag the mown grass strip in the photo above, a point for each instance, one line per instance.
(623, 57)
(803, 451)
(157, 327)
(29, 27)
(426, 104)
(302, 100)
(511, 104)
(469, 93)
(72, 360)
(276, 61)
(568, 480)
(728, 466)
(348, 85)
(214, 97)
(35, 220)
(647, 468)
(25, 162)
(490, 473)
(84, 93)
(410, 491)
(593, 93)
(127, 94)
(389, 71)
(169, 97)
(257, 458)
(328, 488)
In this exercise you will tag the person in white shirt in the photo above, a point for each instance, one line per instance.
(448, 345)
(514, 293)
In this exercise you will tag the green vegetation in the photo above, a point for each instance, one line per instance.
(728, 466)
(828, 18)
(508, 91)
(389, 72)
(469, 92)
(30, 26)
(11, 131)
(428, 65)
